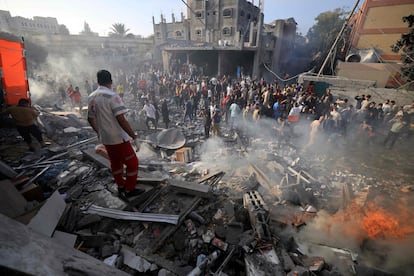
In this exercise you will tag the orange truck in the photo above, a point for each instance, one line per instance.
(14, 83)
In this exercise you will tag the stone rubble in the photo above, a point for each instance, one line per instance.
(237, 217)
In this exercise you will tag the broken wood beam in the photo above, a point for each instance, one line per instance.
(265, 181)
(190, 188)
(210, 175)
(298, 174)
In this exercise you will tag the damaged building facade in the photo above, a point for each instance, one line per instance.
(374, 29)
(224, 37)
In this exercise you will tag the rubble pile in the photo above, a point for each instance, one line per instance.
(233, 205)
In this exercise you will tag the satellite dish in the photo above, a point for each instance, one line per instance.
(353, 58)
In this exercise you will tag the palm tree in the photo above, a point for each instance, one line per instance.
(119, 30)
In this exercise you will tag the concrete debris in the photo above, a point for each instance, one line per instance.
(204, 264)
(133, 261)
(258, 214)
(236, 204)
(12, 203)
(51, 258)
(64, 238)
(7, 170)
(112, 260)
(49, 215)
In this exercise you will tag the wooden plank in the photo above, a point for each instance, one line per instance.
(265, 181)
(210, 175)
(190, 188)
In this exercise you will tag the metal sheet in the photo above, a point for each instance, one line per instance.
(171, 138)
(125, 215)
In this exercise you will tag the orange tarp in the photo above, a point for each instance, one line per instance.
(13, 71)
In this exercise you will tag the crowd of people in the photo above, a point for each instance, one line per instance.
(232, 102)
(240, 101)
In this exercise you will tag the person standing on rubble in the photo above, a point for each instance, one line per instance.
(106, 115)
(216, 119)
(315, 125)
(76, 98)
(395, 131)
(24, 116)
(165, 113)
(150, 113)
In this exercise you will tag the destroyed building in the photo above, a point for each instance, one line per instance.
(224, 37)
(249, 202)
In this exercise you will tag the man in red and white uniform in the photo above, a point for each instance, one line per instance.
(106, 116)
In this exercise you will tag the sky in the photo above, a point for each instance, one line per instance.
(137, 15)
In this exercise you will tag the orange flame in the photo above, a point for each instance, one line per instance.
(381, 224)
(374, 222)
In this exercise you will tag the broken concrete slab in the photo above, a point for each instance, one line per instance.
(287, 262)
(64, 238)
(51, 258)
(260, 265)
(92, 155)
(49, 215)
(133, 261)
(12, 203)
(7, 171)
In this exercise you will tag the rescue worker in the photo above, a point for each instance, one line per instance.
(106, 115)
(25, 116)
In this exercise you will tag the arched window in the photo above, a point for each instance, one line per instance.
(226, 31)
(241, 12)
(178, 34)
(198, 32)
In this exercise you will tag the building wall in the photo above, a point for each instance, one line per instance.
(5, 21)
(22, 26)
(177, 30)
(111, 48)
(384, 74)
(379, 25)
(220, 22)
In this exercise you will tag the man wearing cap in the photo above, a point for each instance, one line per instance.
(106, 112)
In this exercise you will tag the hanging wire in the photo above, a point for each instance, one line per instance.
(280, 78)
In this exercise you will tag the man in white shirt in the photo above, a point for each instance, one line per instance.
(150, 113)
(106, 115)
(234, 113)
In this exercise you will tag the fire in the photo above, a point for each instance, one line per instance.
(381, 224)
(374, 222)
